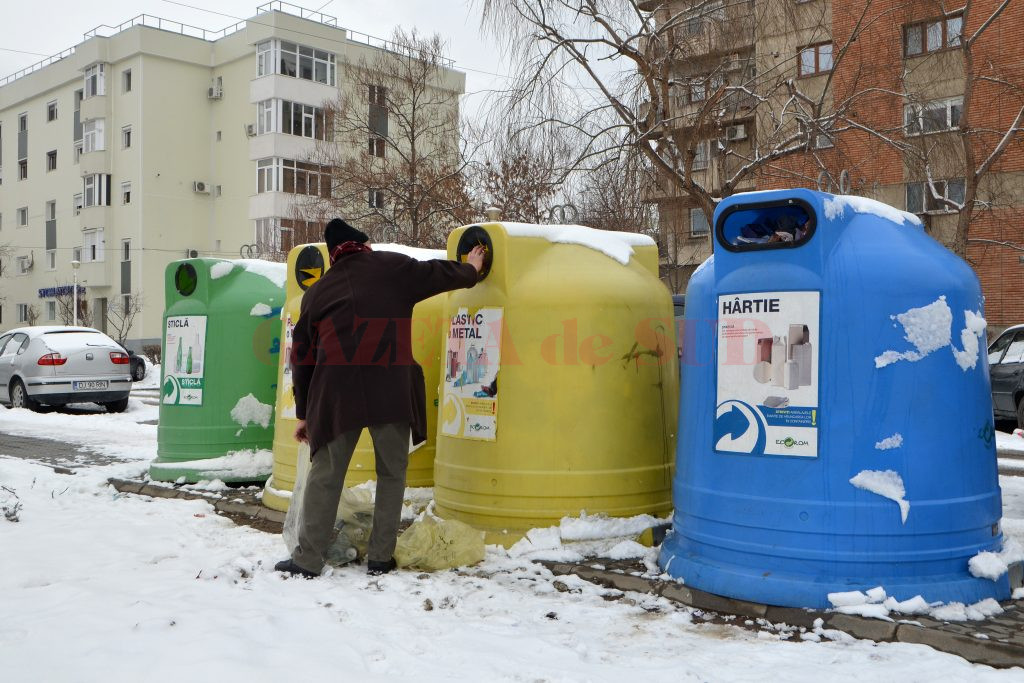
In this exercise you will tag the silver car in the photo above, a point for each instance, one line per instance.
(53, 366)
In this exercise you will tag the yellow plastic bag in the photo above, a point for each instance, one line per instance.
(431, 544)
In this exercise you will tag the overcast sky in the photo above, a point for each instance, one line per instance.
(49, 27)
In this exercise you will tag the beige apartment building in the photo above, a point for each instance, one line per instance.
(154, 141)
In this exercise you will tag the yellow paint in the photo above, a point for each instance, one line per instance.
(587, 391)
(426, 341)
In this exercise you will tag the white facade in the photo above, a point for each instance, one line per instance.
(173, 129)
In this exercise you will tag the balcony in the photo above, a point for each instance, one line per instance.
(95, 217)
(94, 162)
(291, 89)
(95, 107)
(281, 146)
(94, 274)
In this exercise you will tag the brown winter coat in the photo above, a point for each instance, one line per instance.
(351, 354)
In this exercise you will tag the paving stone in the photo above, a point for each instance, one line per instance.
(623, 582)
(972, 649)
(794, 616)
(723, 605)
(861, 627)
(677, 592)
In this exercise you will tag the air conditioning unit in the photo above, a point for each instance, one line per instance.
(214, 92)
(250, 129)
(25, 264)
(199, 187)
(191, 253)
(737, 132)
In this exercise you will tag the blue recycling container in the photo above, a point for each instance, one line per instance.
(835, 425)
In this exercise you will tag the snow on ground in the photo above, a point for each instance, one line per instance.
(1009, 442)
(123, 587)
(103, 586)
(152, 378)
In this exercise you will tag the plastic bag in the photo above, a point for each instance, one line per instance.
(430, 544)
(348, 538)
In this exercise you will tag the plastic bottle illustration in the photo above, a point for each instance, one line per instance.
(188, 363)
(177, 362)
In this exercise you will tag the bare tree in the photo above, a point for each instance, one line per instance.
(394, 158)
(32, 314)
(121, 315)
(65, 307)
(519, 178)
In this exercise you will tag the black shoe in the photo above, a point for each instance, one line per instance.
(289, 567)
(375, 568)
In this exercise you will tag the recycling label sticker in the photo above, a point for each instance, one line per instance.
(768, 367)
(184, 360)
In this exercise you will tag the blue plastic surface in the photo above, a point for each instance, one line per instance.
(769, 514)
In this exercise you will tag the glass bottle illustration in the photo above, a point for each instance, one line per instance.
(177, 362)
(188, 363)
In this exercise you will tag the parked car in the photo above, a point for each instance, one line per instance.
(1006, 371)
(53, 366)
(137, 364)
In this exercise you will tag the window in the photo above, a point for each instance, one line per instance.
(126, 250)
(94, 80)
(96, 190)
(23, 169)
(78, 152)
(126, 137)
(702, 155)
(698, 223)
(932, 35)
(24, 265)
(266, 117)
(126, 81)
(920, 198)
(266, 176)
(23, 123)
(297, 177)
(268, 234)
(76, 203)
(23, 217)
(698, 91)
(934, 116)
(92, 136)
(51, 310)
(126, 193)
(92, 245)
(51, 160)
(303, 120)
(377, 95)
(51, 111)
(51, 261)
(816, 59)
(51, 210)
(76, 254)
(377, 147)
(22, 316)
(375, 198)
(299, 61)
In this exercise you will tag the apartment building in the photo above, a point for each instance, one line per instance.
(154, 141)
(882, 102)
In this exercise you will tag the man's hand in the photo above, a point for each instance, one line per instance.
(475, 257)
(300, 432)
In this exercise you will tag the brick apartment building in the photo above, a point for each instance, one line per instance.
(879, 96)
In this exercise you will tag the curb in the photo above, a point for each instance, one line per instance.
(250, 510)
(976, 650)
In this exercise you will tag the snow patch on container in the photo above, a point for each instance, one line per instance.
(894, 441)
(277, 273)
(412, 252)
(974, 329)
(219, 270)
(261, 310)
(837, 205)
(613, 244)
(927, 328)
(885, 483)
(249, 410)
(236, 464)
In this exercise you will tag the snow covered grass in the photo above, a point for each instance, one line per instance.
(103, 586)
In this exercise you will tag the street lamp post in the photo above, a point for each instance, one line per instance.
(74, 302)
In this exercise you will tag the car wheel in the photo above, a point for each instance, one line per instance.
(139, 372)
(20, 397)
(116, 406)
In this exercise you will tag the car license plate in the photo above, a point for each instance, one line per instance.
(91, 384)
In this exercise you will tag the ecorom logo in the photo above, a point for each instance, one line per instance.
(789, 442)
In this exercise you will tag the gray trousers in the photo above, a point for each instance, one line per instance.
(326, 481)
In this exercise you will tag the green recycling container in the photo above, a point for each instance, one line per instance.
(219, 357)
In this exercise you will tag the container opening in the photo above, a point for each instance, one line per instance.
(309, 266)
(755, 227)
(473, 236)
(186, 279)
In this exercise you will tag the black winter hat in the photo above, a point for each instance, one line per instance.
(338, 232)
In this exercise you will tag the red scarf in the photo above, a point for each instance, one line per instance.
(348, 248)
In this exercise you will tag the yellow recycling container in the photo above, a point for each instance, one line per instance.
(560, 387)
(306, 264)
